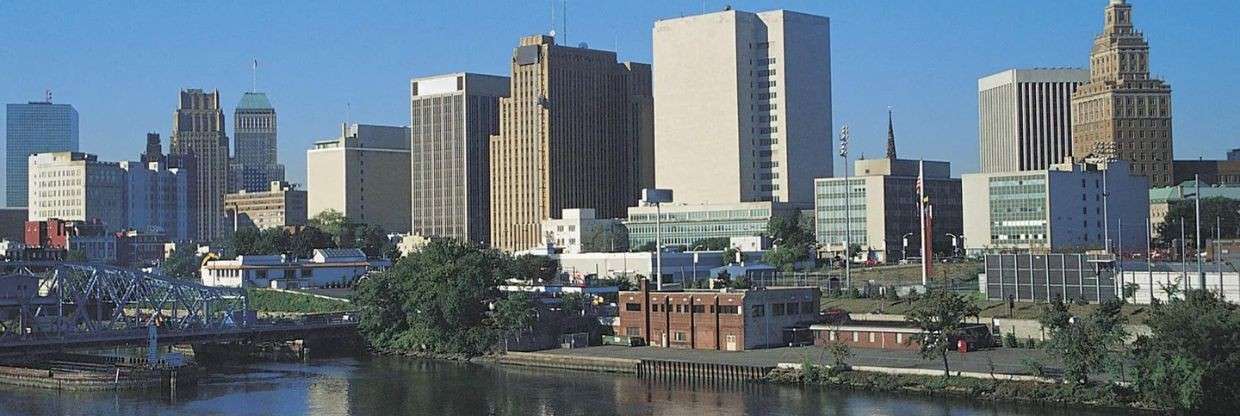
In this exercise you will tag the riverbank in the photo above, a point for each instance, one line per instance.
(91, 376)
(999, 388)
(975, 375)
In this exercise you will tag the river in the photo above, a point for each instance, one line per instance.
(404, 386)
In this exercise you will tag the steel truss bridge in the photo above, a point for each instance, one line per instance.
(49, 306)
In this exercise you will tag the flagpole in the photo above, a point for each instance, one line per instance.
(921, 213)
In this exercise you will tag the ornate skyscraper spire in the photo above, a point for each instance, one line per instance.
(891, 137)
(1122, 106)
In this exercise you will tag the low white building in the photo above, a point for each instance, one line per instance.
(677, 266)
(577, 231)
(328, 267)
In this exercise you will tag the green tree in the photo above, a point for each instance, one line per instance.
(515, 312)
(331, 222)
(729, 256)
(1226, 211)
(373, 241)
(183, 263)
(792, 241)
(713, 243)
(572, 304)
(1085, 344)
(940, 316)
(1191, 358)
(303, 241)
(606, 240)
(536, 268)
(435, 300)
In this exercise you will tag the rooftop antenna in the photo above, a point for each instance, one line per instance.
(254, 76)
(552, 18)
(564, 20)
(47, 95)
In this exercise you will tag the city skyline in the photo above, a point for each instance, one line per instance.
(315, 93)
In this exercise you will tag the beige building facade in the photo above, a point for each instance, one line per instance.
(742, 106)
(363, 174)
(1025, 117)
(1122, 111)
(282, 204)
(452, 118)
(76, 186)
(566, 139)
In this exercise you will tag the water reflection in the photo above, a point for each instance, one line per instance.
(399, 386)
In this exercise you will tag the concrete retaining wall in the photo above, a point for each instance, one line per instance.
(570, 362)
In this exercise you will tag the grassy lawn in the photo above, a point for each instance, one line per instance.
(1136, 314)
(264, 300)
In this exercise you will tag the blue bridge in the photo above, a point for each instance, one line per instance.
(59, 306)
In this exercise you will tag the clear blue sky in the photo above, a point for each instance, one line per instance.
(121, 63)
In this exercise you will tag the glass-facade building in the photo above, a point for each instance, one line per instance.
(1018, 208)
(831, 214)
(688, 224)
(35, 127)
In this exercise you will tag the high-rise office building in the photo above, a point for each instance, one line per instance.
(35, 127)
(569, 135)
(363, 174)
(78, 187)
(255, 164)
(198, 132)
(742, 106)
(452, 118)
(1025, 118)
(1122, 111)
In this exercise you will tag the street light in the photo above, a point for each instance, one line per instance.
(847, 208)
(955, 247)
(657, 197)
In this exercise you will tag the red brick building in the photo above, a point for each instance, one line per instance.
(725, 320)
(894, 335)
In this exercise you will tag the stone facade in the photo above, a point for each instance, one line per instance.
(1122, 111)
(198, 131)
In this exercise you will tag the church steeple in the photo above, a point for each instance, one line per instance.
(891, 137)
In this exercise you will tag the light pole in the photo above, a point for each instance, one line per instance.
(955, 246)
(847, 208)
(657, 197)
(1201, 274)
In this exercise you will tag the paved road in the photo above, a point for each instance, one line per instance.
(1004, 360)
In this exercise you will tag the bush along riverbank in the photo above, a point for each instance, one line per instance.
(1092, 395)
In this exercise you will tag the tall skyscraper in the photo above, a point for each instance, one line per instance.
(363, 174)
(198, 132)
(35, 127)
(1025, 118)
(255, 164)
(1121, 111)
(569, 135)
(452, 118)
(742, 106)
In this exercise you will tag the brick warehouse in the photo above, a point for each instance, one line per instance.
(725, 320)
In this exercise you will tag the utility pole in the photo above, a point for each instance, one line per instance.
(1149, 259)
(1183, 256)
(847, 208)
(1201, 274)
